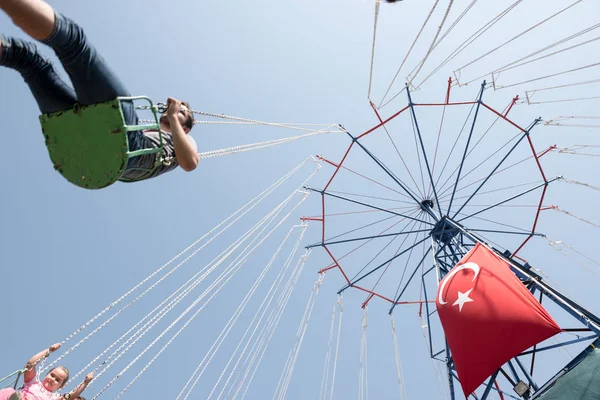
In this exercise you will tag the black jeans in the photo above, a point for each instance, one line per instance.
(93, 80)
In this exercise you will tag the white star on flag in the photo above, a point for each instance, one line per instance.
(462, 299)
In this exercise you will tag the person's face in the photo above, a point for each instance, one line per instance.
(55, 379)
(182, 116)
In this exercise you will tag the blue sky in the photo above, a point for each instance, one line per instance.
(67, 253)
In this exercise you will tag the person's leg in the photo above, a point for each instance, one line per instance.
(93, 80)
(49, 90)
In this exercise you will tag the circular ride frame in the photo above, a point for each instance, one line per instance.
(451, 240)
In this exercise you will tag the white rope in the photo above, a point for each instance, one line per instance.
(575, 148)
(337, 345)
(249, 205)
(259, 145)
(290, 286)
(287, 125)
(454, 24)
(216, 345)
(521, 61)
(472, 39)
(197, 312)
(382, 104)
(363, 387)
(172, 303)
(257, 200)
(441, 375)
(558, 245)
(431, 47)
(325, 378)
(286, 375)
(226, 275)
(593, 65)
(555, 121)
(270, 296)
(377, 4)
(580, 184)
(252, 121)
(399, 373)
(556, 208)
(219, 259)
(262, 309)
(249, 234)
(519, 35)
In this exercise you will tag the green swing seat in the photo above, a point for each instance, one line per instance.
(88, 145)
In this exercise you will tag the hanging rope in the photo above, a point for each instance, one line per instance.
(559, 245)
(217, 344)
(228, 222)
(556, 208)
(377, 3)
(580, 184)
(288, 370)
(295, 275)
(556, 121)
(256, 320)
(259, 145)
(254, 358)
(337, 306)
(363, 381)
(399, 373)
(382, 104)
(224, 278)
(521, 61)
(440, 372)
(337, 344)
(204, 273)
(431, 47)
(574, 150)
(325, 378)
(520, 35)
(472, 39)
(498, 87)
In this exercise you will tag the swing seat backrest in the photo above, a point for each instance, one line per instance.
(88, 145)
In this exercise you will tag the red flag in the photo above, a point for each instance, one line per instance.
(488, 316)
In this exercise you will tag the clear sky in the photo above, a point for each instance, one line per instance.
(66, 253)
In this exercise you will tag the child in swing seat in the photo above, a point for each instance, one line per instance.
(34, 389)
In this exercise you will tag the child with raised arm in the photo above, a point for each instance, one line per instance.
(34, 389)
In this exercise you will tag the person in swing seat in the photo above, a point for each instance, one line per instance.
(46, 389)
(93, 82)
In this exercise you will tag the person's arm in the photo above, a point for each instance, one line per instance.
(186, 150)
(80, 388)
(33, 361)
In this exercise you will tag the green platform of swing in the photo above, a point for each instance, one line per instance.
(88, 145)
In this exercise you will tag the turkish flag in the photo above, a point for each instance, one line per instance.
(488, 316)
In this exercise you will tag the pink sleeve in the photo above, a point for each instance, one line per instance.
(5, 393)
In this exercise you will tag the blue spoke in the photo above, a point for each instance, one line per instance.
(367, 238)
(412, 109)
(385, 168)
(467, 146)
(498, 166)
(509, 199)
(380, 266)
(366, 205)
(412, 275)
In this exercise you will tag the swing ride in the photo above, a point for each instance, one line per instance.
(88, 145)
(432, 228)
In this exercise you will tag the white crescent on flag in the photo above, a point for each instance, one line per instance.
(468, 265)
